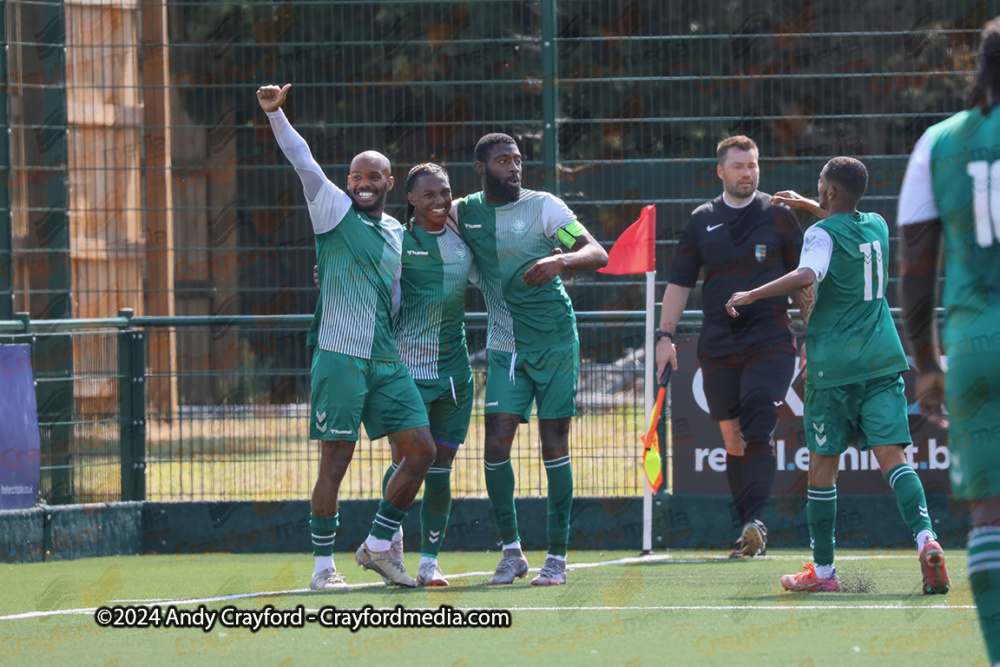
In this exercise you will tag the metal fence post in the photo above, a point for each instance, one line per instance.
(550, 98)
(6, 216)
(54, 152)
(132, 409)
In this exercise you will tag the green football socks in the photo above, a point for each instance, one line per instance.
(387, 520)
(559, 472)
(910, 497)
(324, 533)
(821, 514)
(500, 488)
(435, 510)
(984, 580)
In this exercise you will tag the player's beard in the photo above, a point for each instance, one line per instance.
(377, 203)
(501, 189)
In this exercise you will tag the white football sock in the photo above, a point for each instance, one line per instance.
(375, 544)
(824, 571)
(324, 563)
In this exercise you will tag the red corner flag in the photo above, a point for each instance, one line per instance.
(635, 249)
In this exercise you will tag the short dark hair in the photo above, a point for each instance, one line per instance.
(849, 175)
(986, 90)
(484, 145)
(739, 142)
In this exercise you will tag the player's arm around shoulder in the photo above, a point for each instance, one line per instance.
(793, 199)
(583, 252)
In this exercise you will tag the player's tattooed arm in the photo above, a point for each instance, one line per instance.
(805, 299)
(791, 282)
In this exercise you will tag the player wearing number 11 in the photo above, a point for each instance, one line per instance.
(854, 388)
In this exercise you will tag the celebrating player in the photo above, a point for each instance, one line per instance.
(430, 333)
(737, 241)
(950, 191)
(854, 387)
(534, 351)
(357, 375)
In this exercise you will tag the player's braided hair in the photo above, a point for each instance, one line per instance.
(411, 182)
(483, 145)
(986, 90)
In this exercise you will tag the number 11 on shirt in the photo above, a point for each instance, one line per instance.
(866, 248)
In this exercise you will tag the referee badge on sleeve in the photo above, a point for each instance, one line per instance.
(761, 252)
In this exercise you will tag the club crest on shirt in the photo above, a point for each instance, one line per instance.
(760, 252)
(460, 252)
(519, 226)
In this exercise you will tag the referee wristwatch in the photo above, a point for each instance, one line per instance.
(663, 334)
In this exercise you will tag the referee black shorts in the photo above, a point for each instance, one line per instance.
(758, 372)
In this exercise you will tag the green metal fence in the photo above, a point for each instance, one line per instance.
(144, 175)
(241, 431)
(139, 172)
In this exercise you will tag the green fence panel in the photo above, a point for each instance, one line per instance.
(615, 105)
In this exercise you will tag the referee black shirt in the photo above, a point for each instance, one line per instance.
(738, 249)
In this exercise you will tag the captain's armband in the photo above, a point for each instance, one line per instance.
(570, 233)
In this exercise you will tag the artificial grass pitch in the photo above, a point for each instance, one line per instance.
(675, 608)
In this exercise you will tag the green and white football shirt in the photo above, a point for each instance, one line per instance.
(954, 176)
(506, 240)
(359, 265)
(430, 327)
(851, 336)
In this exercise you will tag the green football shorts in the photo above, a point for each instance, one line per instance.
(348, 391)
(869, 414)
(449, 407)
(548, 377)
(972, 395)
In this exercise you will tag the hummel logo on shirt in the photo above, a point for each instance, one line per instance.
(333, 430)
(417, 252)
(493, 404)
(468, 226)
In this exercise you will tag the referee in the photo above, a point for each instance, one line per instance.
(739, 241)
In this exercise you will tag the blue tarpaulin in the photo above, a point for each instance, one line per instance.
(20, 445)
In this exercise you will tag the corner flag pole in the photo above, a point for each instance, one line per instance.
(650, 387)
(635, 252)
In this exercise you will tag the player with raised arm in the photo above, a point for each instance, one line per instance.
(951, 197)
(737, 241)
(534, 350)
(854, 385)
(357, 375)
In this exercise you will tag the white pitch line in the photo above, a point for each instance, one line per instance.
(619, 561)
